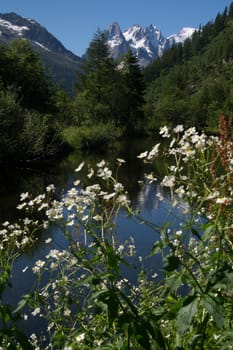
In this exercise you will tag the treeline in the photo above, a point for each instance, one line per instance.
(192, 82)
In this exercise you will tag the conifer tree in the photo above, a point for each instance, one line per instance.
(97, 82)
(134, 90)
(230, 11)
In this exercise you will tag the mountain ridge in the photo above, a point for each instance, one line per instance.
(62, 63)
(147, 43)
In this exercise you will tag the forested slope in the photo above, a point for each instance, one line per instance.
(192, 83)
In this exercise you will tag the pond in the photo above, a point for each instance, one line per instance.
(61, 174)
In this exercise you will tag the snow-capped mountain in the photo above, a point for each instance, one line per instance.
(147, 43)
(62, 62)
(13, 26)
(183, 34)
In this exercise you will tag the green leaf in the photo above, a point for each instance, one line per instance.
(208, 229)
(214, 309)
(174, 281)
(195, 233)
(171, 263)
(5, 313)
(174, 309)
(185, 315)
(23, 302)
(157, 248)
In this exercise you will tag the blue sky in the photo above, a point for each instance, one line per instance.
(74, 22)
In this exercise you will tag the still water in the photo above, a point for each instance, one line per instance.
(61, 174)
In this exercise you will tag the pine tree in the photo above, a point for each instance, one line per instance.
(97, 82)
(230, 11)
(134, 91)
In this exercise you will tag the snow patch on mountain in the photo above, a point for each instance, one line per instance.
(183, 34)
(42, 46)
(12, 27)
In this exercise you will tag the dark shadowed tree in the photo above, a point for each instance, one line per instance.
(133, 86)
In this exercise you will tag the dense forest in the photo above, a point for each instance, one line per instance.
(191, 84)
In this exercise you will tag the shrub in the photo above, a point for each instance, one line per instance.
(95, 137)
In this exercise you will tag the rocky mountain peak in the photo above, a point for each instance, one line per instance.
(147, 43)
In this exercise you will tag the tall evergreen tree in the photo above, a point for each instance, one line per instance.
(97, 82)
(230, 10)
(134, 90)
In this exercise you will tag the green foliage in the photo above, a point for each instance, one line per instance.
(108, 91)
(22, 68)
(192, 83)
(90, 137)
(40, 135)
(32, 110)
(11, 115)
(133, 93)
(97, 83)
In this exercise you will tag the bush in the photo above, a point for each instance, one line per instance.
(96, 137)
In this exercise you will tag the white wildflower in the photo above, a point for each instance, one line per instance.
(90, 174)
(109, 196)
(178, 128)
(120, 249)
(160, 196)
(142, 155)
(164, 131)
(36, 311)
(21, 206)
(97, 218)
(150, 178)
(23, 196)
(80, 337)
(154, 152)
(70, 223)
(120, 160)
(67, 312)
(173, 168)
(154, 275)
(79, 168)
(76, 183)
(105, 173)
(85, 217)
(50, 188)
(118, 187)
(6, 223)
(101, 164)
(168, 181)
(172, 143)
(180, 191)
(122, 200)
